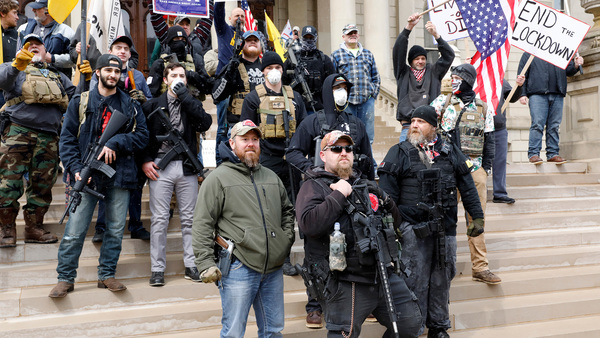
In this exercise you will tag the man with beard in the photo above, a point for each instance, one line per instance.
(187, 116)
(121, 47)
(239, 79)
(418, 82)
(244, 205)
(265, 106)
(471, 122)
(402, 174)
(305, 141)
(78, 134)
(179, 51)
(318, 66)
(334, 193)
(29, 129)
(56, 36)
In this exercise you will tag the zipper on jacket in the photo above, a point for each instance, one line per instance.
(262, 213)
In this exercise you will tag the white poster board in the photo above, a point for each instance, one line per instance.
(447, 20)
(547, 33)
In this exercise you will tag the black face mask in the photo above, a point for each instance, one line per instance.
(178, 47)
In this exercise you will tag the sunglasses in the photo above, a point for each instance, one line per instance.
(338, 149)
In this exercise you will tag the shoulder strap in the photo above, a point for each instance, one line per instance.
(83, 104)
(244, 76)
(260, 90)
(322, 121)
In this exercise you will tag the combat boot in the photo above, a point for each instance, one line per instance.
(34, 230)
(8, 228)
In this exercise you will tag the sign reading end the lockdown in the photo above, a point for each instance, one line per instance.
(547, 33)
(195, 8)
(448, 20)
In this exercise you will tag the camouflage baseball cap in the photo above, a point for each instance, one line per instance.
(331, 138)
(242, 127)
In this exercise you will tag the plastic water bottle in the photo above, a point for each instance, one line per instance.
(337, 249)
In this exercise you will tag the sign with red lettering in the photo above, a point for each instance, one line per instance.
(447, 20)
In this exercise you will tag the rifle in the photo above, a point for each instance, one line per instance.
(179, 146)
(237, 50)
(431, 185)
(286, 128)
(299, 72)
(377, 236)
(91, 163)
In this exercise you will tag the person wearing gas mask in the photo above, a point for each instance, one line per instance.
(179, 51)
(470, 122)
(318, 66)
(188, 116)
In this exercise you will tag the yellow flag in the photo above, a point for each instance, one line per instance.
(275, 37)
(60, 9)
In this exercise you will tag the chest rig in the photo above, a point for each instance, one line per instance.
(271, 110)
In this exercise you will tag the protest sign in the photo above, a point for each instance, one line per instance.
(195, 8)
(448, 20)
(547, 33)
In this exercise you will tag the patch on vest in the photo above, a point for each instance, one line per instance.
(374, 202)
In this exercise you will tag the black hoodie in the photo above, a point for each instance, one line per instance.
(303, 142)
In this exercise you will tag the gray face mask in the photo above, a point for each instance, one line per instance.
(309, 44)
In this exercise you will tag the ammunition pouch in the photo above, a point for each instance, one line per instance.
(41, 86)
(423, 230)
(271, 110)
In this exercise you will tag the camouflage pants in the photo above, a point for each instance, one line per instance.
(24, 150)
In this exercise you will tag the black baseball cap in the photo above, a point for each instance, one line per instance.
(109, 60)
(122, 38)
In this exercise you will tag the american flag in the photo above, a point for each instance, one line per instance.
(490, 24)
(250, 24)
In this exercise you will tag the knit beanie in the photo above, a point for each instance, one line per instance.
(415, 51)
(426, 113)
(271, 58)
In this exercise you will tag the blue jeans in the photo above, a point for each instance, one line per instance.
(244, 287)
(135, 212)
(222, 127)
(545, 111)
(366, 113)
(404, 132)
(117, 201)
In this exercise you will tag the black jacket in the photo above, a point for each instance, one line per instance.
(434, 73)
(318, 208)
(193, 117)
(303, 143)
(397, 166)
(500, 119)
(319, 66)
(537, 77)
(131, 139)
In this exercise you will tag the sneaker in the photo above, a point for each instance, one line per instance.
(142, 234)
(487, 277)
(314, 320)
(557, 160)
(192, 274)
(98, 237)
(504, 199)
(157, 279)
(288, 268)
(535, 159)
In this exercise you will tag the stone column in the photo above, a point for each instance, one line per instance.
(341, 12)
(376, 35)
(580, 130)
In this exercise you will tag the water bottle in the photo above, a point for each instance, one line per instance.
(337, 249)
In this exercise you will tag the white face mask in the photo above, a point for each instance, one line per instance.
(176, 81)
(456, 85)
(340, 96)
(274, 76)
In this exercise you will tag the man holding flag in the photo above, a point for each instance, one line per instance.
(56, 36)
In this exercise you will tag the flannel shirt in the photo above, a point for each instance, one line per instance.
(360, 70)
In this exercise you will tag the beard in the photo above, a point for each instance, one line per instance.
(416, 137)
(36, 58)
(343, 169)
(251, 51)
(105, 83)
(250, 159)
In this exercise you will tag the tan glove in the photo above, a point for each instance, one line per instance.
(211, 275)
(23, 58)
(137, 95)
(85, 68)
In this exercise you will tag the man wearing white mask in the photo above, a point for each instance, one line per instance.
(266, 106)
(186, 115)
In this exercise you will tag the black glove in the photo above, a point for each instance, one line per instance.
(180, 89)
(476, 227)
